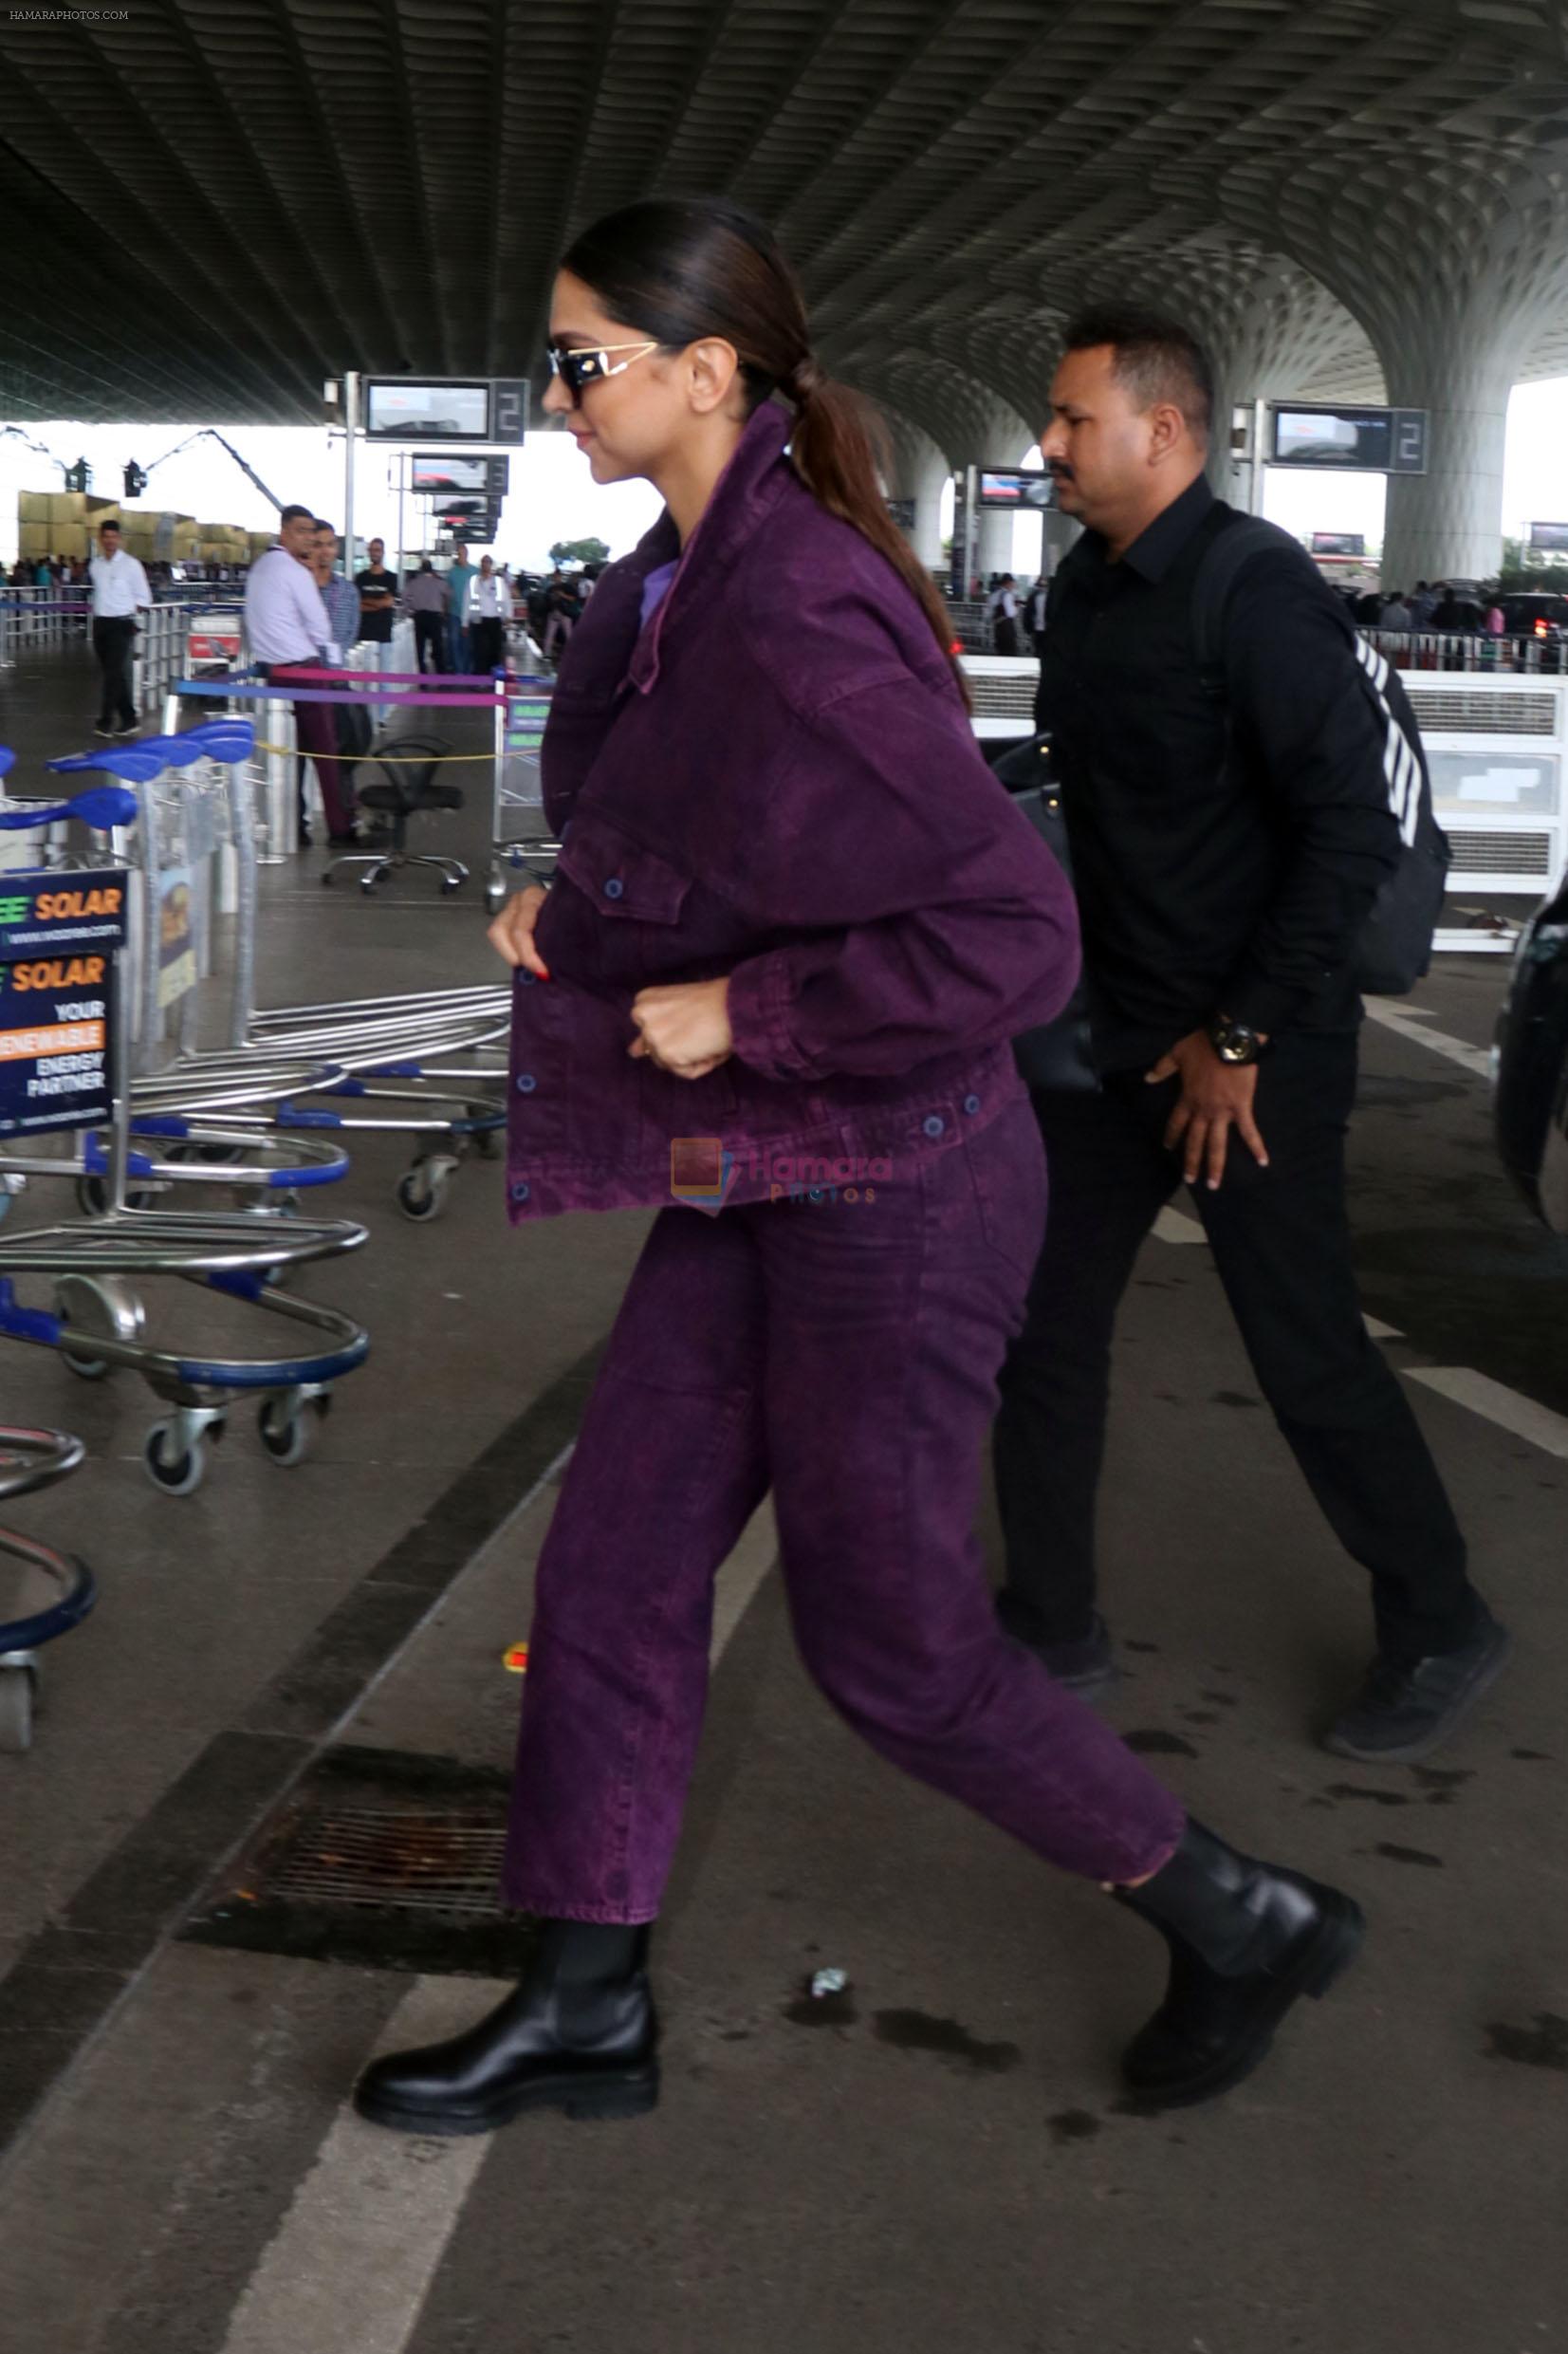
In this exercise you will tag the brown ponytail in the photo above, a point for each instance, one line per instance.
(839, 444)
(680, 269)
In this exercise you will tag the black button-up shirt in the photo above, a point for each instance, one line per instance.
(1226, 841)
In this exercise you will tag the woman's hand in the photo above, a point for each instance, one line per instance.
(684, 1029)
(511, 934)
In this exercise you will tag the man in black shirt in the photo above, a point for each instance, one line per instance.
(378, 589)
(1228, 842)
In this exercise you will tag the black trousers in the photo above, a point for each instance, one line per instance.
(1004, 631)
(1282, 1244)
(486, 646)
(114, 643)
(429, 637)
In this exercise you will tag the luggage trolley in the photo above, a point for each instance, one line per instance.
(266, 1175)
(31, 1460)
(77, 1044)
(519, 732)
(433, 1101)
(413, 1065)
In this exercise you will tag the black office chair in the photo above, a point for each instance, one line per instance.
(409, 765)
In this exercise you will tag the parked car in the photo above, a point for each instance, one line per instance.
(1530, 1064)
(1534, 614)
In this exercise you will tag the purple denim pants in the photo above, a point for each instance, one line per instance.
(844, 1353)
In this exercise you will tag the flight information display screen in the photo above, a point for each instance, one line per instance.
(1021, 489)
(1366, 441)
(397, 410)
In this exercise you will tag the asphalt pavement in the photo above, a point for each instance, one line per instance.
(938, 2160)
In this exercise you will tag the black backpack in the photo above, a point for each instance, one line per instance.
(1395, 946)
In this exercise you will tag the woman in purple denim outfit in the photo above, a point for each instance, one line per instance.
(795, 926)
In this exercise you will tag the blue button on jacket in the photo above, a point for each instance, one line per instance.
(779, 772)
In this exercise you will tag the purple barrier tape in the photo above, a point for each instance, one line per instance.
(285, 691)
(439, 678)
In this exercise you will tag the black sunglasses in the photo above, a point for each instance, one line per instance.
(579, 369)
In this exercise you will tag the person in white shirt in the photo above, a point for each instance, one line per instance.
(490, 610)
(119, 593)
(288, 629)
(1002, 610)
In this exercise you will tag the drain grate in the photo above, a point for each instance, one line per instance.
(381, 1858)
(424, 1863)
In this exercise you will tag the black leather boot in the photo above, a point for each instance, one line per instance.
(579, 2034)
(1246, 1941)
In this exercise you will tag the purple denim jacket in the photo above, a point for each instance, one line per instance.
(773, 779)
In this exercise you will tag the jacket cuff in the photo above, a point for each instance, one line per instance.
(760, 997)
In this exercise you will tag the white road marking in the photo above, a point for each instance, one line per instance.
(1380, 1330)
(1175, 1226)
(1407, 1025)
(350, 2267)
(1497, 1403)
(351, 2262)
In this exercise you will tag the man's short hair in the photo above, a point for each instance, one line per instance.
(1156, 359)
(292, 514)
(322, 525)
(108, 524)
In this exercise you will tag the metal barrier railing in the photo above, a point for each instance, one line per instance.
(32, 620)
(1526, 654)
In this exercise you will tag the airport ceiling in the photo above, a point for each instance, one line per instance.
(214, 204)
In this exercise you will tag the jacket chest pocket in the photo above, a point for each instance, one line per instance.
(625, 882)
(643, 897)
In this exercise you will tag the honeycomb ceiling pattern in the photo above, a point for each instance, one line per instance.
(224, 201)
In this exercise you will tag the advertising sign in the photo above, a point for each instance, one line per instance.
(1339, 542)
(59, 936)
(1549, 538)
(176, 948)
(959, 564)
(1367, 441)
(214, 638)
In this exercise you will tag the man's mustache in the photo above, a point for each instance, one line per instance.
(1059, 471)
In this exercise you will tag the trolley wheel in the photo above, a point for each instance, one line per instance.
(421, 1195)
(175, 1473)
(16, 1703)
(286, 1437)
(367, 882)
(495, 897)
(326, 881)
(92, 1196)
(487, 1143)
(101, 1303)
(451, 883)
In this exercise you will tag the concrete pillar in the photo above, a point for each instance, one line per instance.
(1061, 532)
(919, 472)
(1446, 523)
(1451, 267)
(994, 542)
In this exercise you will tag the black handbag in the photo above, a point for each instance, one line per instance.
(1058, 1055)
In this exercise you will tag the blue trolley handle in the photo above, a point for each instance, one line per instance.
(102, 806)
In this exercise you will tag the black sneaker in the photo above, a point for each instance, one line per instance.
(1085, 1665)
(102, 730)
(1401, 1714)
(129, 727)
